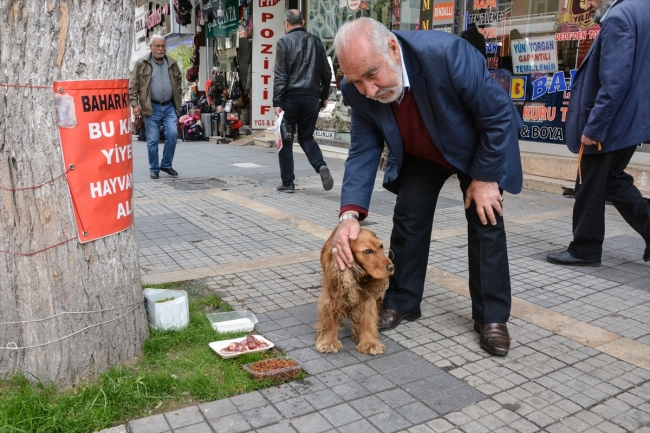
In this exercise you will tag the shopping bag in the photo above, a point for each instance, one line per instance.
(282, 131)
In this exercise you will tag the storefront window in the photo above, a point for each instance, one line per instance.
(533, 49)
(324, 17)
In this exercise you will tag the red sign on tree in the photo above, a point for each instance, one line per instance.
(94, 125)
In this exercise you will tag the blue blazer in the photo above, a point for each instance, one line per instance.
(610, 96)
(469, 118)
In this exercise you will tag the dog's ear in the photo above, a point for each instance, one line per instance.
(346, 282)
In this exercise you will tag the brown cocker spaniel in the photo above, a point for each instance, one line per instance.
(356, 293)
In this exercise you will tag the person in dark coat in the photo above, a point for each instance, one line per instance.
(608, 116)
(300, 85)
(474, 37)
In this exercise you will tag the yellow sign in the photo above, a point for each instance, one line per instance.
(575, 15)
(518, 88)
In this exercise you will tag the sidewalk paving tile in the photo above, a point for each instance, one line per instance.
(184, 417)
(262, 416)
(235, 423)
(323, 398)
(294, 407)
(390, 421)
(357, 427)
(312, 423)
(249, 400)
(340, 415)
(196, 428)
(152, 424)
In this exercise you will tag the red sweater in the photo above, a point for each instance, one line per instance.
(416, 138)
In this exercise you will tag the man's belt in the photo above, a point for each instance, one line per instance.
(162, 102)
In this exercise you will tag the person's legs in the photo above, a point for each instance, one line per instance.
(169, 121)
(489, 275)
(420, 182)
(589, 207)
(285, 155)
(152, 126)
(306, 118)
(626, 197)
(489, 278)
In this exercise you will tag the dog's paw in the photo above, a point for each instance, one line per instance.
(328, 347)
(371, 347)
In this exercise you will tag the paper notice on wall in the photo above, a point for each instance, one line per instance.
(533, 55)
(94, 125)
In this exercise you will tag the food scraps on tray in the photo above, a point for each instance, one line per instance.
(248, 343)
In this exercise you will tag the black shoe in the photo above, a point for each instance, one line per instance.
(495, 338)
(287, 188)
(170, 171)
(326, 177)
(153, 174)
(388, 319)
(565, 258)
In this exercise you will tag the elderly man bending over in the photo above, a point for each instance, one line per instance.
(431, 98)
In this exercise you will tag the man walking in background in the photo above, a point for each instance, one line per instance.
(608, 116)
(155, 91)
(301, 83)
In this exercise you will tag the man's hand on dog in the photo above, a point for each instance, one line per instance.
(348, 231)
(487, 198)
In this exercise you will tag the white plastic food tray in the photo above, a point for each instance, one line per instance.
(218, 345)
(232, 321)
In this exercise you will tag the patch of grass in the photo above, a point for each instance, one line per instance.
(177, 368)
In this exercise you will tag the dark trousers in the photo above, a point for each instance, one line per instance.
(603, 177)
(420, 182)
(301, 111)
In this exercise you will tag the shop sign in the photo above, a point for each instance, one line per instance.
(426, 15)
(324, 134)
(443, 11)
(543, 104)
(534, 55)
(518, 88)
(93, 117)
(459, 11)
(140, 30)
(353, 5)
(574, 15)
(227, 24)
(268, 19)
(155, 17)
(447, 28)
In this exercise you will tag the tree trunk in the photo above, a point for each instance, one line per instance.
(41, 42)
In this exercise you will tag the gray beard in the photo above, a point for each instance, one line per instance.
(602, 10)
(384, 95)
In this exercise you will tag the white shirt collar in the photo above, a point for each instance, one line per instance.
(406, 84)
(405, 77)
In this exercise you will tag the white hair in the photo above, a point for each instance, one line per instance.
(374, 31)
(154, 37)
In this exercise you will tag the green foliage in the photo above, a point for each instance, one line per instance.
(182, 54)
(177, 368)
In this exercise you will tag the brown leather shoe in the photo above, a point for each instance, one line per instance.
(494, 338)
(388, 319)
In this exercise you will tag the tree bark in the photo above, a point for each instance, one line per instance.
(41, 42)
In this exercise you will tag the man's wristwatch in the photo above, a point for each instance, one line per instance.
(348, 216)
